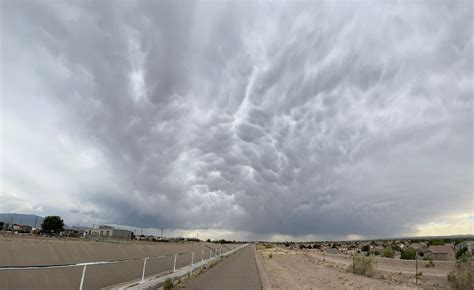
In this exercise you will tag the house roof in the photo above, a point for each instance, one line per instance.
(440, 249)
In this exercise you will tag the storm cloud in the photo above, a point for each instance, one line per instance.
(325, 118)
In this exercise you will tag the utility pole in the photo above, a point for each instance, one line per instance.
(416, 269)
(36, 220)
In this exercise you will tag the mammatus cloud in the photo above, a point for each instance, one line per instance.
(278, 119)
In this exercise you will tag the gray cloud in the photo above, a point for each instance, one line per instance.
(291, 118)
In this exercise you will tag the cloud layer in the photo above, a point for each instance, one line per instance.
(287, 118)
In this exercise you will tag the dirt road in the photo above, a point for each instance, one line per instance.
(239, 271)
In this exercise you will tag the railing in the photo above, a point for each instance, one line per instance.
(213, 255)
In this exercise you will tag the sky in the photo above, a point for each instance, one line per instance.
(245, 120)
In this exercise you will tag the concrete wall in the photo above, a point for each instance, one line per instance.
(35, 251)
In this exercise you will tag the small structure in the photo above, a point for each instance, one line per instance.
(109, 232)
(21, 228)
(440, 253)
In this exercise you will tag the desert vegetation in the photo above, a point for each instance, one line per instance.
(463, 275)
(363, 265)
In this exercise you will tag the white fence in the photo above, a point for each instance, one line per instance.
(206, 257)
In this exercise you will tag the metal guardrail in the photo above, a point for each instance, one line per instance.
(213, 253)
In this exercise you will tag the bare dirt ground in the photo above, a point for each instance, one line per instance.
(297, 269)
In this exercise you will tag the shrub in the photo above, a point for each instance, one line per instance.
(268, 246)
(388, 253)
(396, 248)
(408, 254)
(430, 264)
(270, 256)
(168, 284)
(366, 248)
(463, 275)
(377, 253)
(287, 244)
(364, 265)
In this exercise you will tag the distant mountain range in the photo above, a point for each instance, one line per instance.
(24, 219)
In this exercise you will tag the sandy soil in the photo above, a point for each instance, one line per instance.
(17, 250)
(306, 269)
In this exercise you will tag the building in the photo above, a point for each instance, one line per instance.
(420, 247)
(440, 253)
(109, 232)
(21, 228)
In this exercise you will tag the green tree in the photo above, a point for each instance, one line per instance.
(436, 242)
(396, 248)
(408, 254)
(52, 224)
(461, 252)
(388, 253)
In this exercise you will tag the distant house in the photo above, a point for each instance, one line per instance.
(440, 253)
(419, 247)
(109, 232)
(22, 228)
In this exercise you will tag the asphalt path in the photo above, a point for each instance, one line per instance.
(238, 271)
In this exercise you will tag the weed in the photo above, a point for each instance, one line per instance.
(168, 284)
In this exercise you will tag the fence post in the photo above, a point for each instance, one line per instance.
(174, 267)
(144, 267)
(83, 275)
(202, 259)
(192, 262)
(416, 269)
(353, 263)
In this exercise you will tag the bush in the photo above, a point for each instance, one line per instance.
(364, 265)
(430, 264)
(463, 275)
(377, 253)
(408, 254)
(168, 284)
(396, 248)
(388, 253)
(268, 246)
(270, 256)
(287, 244)
(366, 248)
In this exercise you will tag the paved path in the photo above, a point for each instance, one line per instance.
(238, 271)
